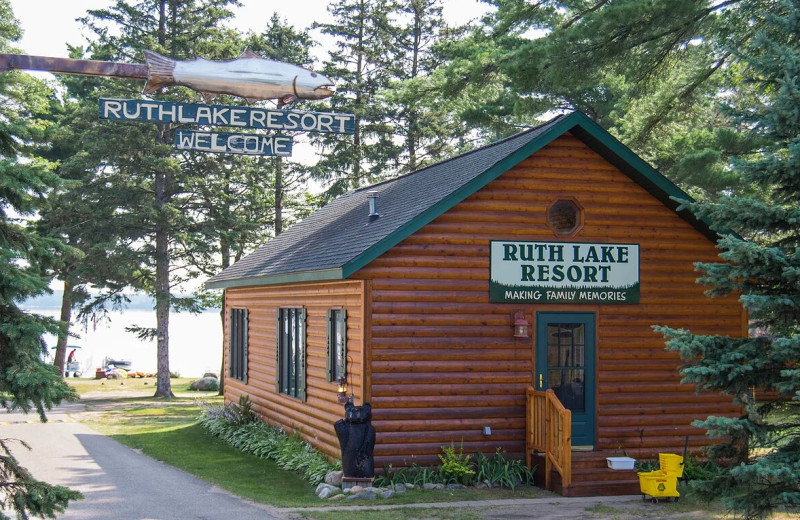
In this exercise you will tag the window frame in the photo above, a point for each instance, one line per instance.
(238, 325)
(336, 365)
(579, 217)
(290, 351)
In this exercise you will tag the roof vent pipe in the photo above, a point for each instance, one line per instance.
(373, 204)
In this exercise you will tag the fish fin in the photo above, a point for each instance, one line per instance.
(288, 99)
(250, 54)
(208, 96)
(159, 71)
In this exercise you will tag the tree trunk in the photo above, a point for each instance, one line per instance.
(222, 368)
(163, 384)
(65, 318)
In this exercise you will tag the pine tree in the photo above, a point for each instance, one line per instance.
(420, 116)
(649, 72)
(153, 187)
(361, 64)
(25, 381)
(760, 451)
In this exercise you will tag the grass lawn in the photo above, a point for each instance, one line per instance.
(167, 430)
(130, 386)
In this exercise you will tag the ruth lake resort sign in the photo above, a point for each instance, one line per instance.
(563, 272)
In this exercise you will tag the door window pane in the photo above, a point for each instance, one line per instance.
(566, 362)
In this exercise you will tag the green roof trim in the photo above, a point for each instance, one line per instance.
(325, 275)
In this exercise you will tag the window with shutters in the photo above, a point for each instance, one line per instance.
(237, 344)
(337, 344)
(291, 352)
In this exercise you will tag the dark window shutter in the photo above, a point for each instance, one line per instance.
(329, 347)
(343, 356)
(231, 342)
(301, 347)
(278, 357)
(245, 342)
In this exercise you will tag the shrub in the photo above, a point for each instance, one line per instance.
(643, 465)
(694, 469)
(501, 471)
(456, 467)
(232, 413)
(240, 427)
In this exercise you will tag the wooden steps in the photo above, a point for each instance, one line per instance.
(591, 476)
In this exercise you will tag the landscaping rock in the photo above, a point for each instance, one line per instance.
(210, 374)
(400, 489)
(325, 493)
(325, 490)
(428, 486)
(455, 486)
(205, 383)
(388, 494)
(361, 495)
(410, 486)
(481, 485)
(334, 478)
(355, 490)
(340, 496)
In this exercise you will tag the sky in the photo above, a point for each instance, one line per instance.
(50, 24)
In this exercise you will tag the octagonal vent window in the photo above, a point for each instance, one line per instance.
(565, 217)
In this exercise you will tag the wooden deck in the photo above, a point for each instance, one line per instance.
(591, 476)
(558, 468)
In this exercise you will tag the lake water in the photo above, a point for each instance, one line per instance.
(195, 342)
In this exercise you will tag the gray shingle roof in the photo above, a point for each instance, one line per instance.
(340, 238)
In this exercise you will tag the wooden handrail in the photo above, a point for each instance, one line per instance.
(549, 430)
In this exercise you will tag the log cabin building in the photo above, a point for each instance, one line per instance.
(478, 299)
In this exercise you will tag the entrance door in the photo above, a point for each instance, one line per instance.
(565, 352)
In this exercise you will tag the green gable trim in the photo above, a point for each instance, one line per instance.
(299, 277)
(616, 153)
(583, 128)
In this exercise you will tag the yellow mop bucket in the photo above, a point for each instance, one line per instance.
(671, 463)
(663, 483)
(659, 484)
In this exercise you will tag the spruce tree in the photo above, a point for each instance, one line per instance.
(26, 382)
(760, 450)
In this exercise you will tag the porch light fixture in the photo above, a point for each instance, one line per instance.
(521, 325)
(341, 395)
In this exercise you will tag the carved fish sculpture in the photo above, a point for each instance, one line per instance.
(249, 76)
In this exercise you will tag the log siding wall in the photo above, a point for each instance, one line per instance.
(313, 418)
(443, 362)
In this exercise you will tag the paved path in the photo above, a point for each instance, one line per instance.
(116, 481)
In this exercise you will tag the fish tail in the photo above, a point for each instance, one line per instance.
(159, 71)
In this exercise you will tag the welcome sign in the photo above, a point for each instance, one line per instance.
(563, 272)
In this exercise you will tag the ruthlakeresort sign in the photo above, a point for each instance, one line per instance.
(563, 272)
